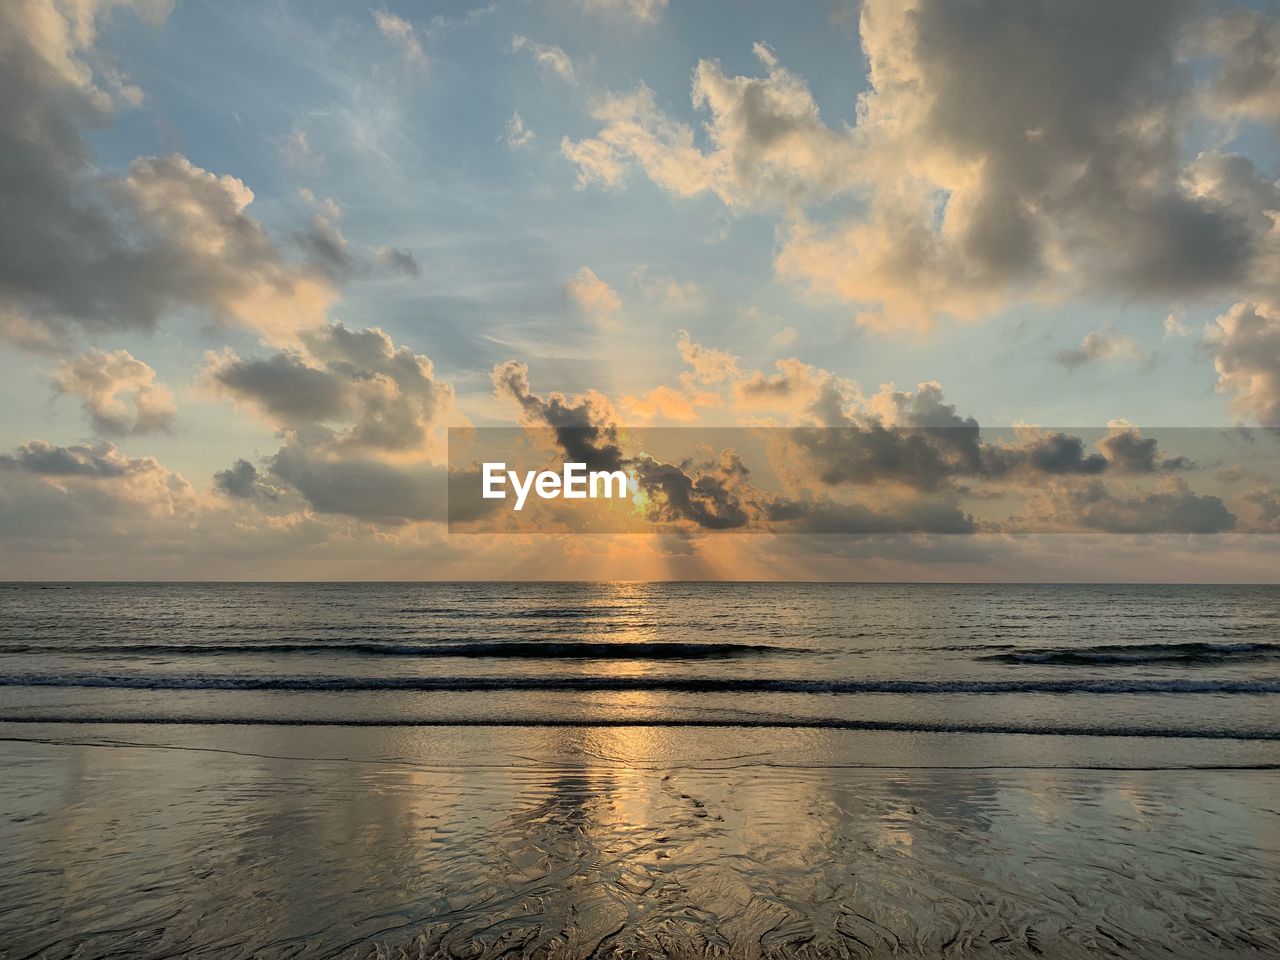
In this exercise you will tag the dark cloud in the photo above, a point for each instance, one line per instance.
(84, 460)
(360, 417)
(918, 514)
(1247, 45)
(1096, 347)
(584, 427)
(927, 445)
(1077, 117)
(366, 489)
(1172, 508)
(379, 397)
(714, 496)
(326, 249)
(907, 476)
(397, 260)
(284, 387)
(242, 481)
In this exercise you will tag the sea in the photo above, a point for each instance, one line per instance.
(639, 769)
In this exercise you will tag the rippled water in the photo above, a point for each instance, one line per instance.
(628, 842)
(1186, 662)
(639, 770)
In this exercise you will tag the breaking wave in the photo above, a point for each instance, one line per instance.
(517, 649)
(1189, 654)
(635, 683)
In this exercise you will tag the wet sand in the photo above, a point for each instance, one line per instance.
(145, 841)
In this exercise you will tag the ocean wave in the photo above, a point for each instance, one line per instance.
(323, 684)
(518, 649)
(1176, 653)
(749, 722)
(529, 613)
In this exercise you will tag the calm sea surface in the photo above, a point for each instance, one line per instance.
(1185, 662)
(639, 770)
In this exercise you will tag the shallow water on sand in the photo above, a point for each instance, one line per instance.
(268, 842)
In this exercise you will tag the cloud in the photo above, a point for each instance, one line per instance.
(585, 426)
(674, 295)
(363, 487)
(1171, 508)
(242, 481)
(710, 366)
(595, 300)
(714, 493)
(798, 388)
(284, 386)
(348, 390)
(518, 136)
(548, 56)
(118, 392)
(1238, 473)
(1002, 152)
(84, 460)
(1099, 346)
(768, 144)
(400, 32)
(666, 403)
(1246, 345)
(1259, 509)
(1007, 157)
(93, 477)
(92, 511)
(298, 152)
(840, 436)
(1247, 81)
(362, 423)
(396, 260)
(1127, 451)
(100, 251)
(1174, 327)
(325, 247)
(328, 253)
(639, 11)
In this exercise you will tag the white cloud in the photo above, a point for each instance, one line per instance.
(768, 143)
(595, 300)
(518, 135)
(675, 295)
(548, 56)
(1174, 327)
(640, 11)
(119, 393)
(401, 32)
(1246, 344)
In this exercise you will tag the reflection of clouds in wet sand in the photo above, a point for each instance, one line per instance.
(567, 843)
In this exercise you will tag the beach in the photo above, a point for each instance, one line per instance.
(627, 842)
(1026, 777)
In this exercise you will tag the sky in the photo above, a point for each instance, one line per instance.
(257, 258)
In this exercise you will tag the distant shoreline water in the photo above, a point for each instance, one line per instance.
(1175, 663)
